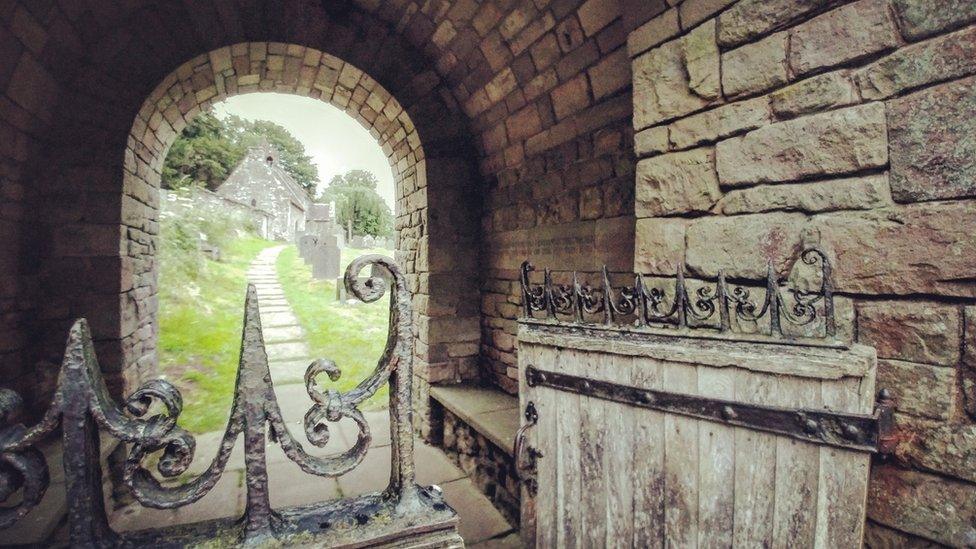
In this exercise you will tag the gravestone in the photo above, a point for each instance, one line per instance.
(369, 241)
(357, 242)
(340, 290)
(305, 245)
(325, 258)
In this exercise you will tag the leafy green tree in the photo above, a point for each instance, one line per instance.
(210, 148)
(201, 156)
(356, 199)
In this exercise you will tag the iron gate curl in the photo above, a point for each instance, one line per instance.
(148, 424)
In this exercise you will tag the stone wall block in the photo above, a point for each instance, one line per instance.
(940, 509)
(923, 249)
(651, 140)
(702, 61)
(677, 78)
(835, 142)
(948, 448)
(922, 389)
(933, 143)
(922, 18)
(968, 365)
(820, 93)
(756, 67)
(742, 245)
(660, 245)
(677, 183)
(914, 331)
(857, 193)
(842, 35)
(943, 58)
(750, 19)
(720, 123)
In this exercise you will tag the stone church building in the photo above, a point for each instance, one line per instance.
(261, 182)
(692, 142)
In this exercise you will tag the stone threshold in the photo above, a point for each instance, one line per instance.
(491, 412)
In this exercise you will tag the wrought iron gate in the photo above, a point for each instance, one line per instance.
(693, 416)
(404, 513)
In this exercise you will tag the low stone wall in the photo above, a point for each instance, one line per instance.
(491, 468)
(213, 202)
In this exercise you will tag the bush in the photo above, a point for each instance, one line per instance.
(185, 227)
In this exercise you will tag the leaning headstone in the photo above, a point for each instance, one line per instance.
(369, 241)
(325, 259)
(357, 242)
(305, 245)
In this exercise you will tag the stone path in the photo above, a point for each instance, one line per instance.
(288, 354)
(481, 525)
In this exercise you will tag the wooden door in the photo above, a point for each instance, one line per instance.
(622, 474)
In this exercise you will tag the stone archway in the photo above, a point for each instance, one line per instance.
(447, 342)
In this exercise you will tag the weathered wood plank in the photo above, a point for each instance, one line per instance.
(592, 440)
(543, 438)
(755, 468)
(797, 471)
(794, 360)
(681, 462)
(648, 459)
(618, 459)
(569, 492)
(716, 467)
(843, 482)
(527, 355)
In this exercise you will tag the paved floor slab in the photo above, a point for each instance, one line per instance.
(479, 520)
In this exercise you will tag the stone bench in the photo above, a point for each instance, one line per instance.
(476, 425)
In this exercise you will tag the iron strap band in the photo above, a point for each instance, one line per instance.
(864, 433)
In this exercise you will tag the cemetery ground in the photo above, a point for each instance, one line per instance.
(201, 304)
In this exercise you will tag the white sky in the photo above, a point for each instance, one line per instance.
(335, 141)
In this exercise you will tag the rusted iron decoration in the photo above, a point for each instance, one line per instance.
(147, 423)
(865, 433)
(525, 469)
(719, 307)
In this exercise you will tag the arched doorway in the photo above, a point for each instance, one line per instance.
(435, 231)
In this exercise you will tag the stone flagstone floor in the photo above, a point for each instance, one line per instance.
(481, 525)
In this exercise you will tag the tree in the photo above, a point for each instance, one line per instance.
(202, 155)
(209, 149)
(356, 199)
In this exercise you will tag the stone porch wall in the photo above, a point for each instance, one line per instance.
(553, 113)
(491, 468)
(765, 125)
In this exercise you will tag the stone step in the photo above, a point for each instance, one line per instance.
(277, 318)
(281, 352)
(283, 334)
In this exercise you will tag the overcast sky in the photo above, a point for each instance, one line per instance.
(335, 141)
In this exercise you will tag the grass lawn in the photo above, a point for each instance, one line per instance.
(200, 321)
(353, 336)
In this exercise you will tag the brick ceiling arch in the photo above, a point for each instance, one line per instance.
(272, 67)
(131, 93)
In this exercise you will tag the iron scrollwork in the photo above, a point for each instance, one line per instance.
(82, 406)
(718, 306)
